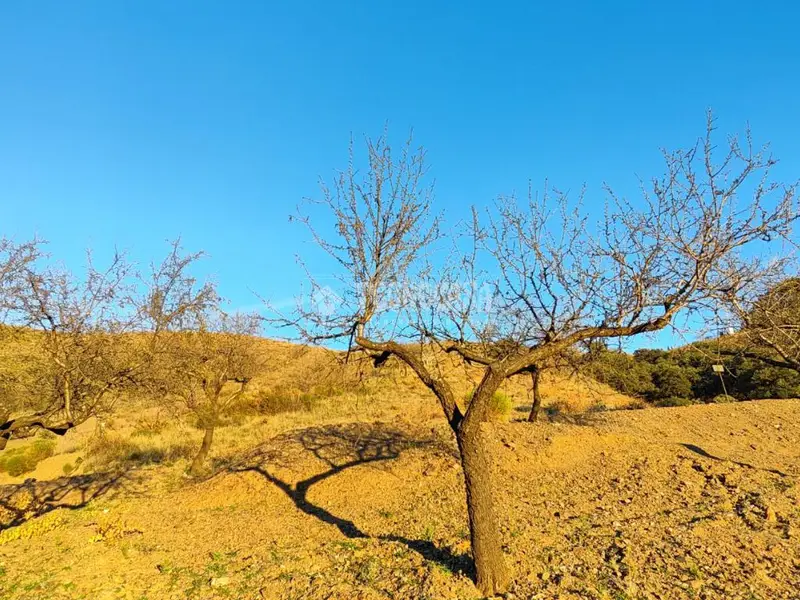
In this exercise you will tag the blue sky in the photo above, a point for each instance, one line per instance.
(130, 122)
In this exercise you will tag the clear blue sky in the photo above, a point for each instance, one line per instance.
(129, 122)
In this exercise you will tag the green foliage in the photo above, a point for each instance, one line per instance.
(499, 406)
(671, 380)
(722, 399)
(18, 461)
(622, 372)
(673, 401)
(664, 376)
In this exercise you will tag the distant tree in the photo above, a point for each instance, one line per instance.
(89, 339)
(571, 361)
(628, 374)
(768, 315)
(207, 367)
(670, 381)
(536, 395)
(15, 260)
(552, 281)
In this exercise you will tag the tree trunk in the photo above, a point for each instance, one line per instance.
(200, 459)
(537, 397)
(5, 429)
(67, 400)
(492, 575)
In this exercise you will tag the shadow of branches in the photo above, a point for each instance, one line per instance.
(338, 448)
(22, 502)
(701, 452)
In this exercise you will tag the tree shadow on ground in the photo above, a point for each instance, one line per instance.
(20, 503)
(338, 448)
(701, 452)
(556, 414)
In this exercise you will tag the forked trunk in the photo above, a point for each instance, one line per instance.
(537, 397)
(492, 575)
(200, 459)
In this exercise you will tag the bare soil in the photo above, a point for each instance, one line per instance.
(696, 502)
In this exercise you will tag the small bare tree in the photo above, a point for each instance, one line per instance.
(536, 395)
(15, 260)
(89, 339)
(207, 368)
(531, 281)
(768, 316)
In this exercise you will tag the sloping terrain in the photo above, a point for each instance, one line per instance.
(694, 502)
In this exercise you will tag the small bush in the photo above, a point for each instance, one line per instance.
(108, 450)
(16, 464)
(24, 460)
(41, 449)
(148, 427)
(674, 401)
(280, 400)
(722, 399)
(499, 407)
(68, 469)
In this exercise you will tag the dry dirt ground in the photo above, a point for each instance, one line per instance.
(695, 502)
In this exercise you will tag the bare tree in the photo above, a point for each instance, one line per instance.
(15, 260)
(531, 280)
(88, 339)
(767, 313)
(207, 367)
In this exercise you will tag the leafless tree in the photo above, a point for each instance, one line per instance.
(15, 260)
(530, 280)
(767, 313)
(207, 368)
(88, 339)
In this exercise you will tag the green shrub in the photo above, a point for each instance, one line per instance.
(722, 399)
(68, 469)
(41, 449)
(16, 464)
(24, 460)
(675, 401)
(658, 375)
(670, 381)
(622, 372)
(499, 407)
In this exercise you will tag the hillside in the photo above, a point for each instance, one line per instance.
(361, 497)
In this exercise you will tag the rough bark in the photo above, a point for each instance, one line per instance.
(537, 397)
(25, 426)
(492, 574)
(201, 456)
